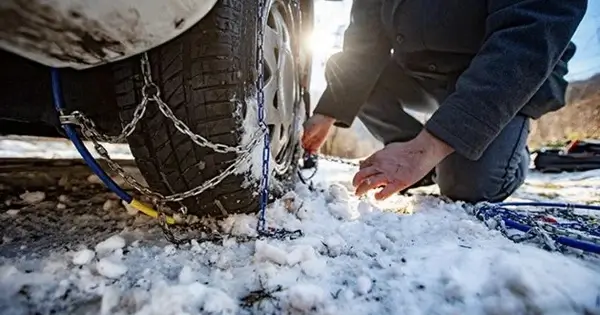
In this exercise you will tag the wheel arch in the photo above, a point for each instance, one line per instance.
(86, 33)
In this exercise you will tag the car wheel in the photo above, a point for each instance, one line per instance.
(207, 78)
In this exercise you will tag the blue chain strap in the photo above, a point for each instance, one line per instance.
(577, 231)
(260, 98)
(261, 227)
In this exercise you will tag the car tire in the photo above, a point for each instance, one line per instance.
(207, 77)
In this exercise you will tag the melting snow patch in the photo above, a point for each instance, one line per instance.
(13, 212)
(110, 269)
(363, 285)
(267, 252)
(308, 299)
(194, 298)
(130, 209)
(83, 257)
(110, 244)
(33, 197)
(111, 204)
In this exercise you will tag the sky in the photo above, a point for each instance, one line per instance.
(586, 61)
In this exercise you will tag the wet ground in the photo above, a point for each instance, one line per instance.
(58, 205)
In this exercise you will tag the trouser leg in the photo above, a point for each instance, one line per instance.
(385, 119)
(384, 115)
(496, 175)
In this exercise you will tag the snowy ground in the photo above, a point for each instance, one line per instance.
(69, 247)
(70, 251)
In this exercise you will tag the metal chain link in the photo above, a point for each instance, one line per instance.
(540, 230)
(264, 182)
(151, 93)
(198, 139)
(120, 171)
(337, 160)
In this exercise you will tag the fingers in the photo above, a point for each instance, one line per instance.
(308, 140)
(315, 133)
(311, 144)
(306, 143)
(389, 190)
(363, 174)
(371, 183)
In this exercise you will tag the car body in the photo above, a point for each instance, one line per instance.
(86, 33)
(199, 60)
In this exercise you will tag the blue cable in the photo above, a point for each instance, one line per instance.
(85, 153)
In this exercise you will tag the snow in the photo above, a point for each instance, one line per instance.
(110, 268)
(112, 204)
(267, 252)
(130, 209)
(83, 257)
(33, 197)
(187, 275)
(357, 256)
(364, 285)
(308, 297)
(110, 244)
(12, 212)
(407, 255)
(48, 148)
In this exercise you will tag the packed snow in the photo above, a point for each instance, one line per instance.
(45, 148)
(33, 197)
(111, 244)
(409, 255)
(83, 257)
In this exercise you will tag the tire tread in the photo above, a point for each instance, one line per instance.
(199, 75)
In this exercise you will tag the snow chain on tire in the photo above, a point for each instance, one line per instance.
(151, 93)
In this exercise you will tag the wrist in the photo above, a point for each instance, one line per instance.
(433, 145)
(324, 119)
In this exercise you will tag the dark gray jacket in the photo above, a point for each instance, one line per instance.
(498, 57)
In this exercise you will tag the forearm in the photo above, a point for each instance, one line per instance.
(352, 73)
(525, 40)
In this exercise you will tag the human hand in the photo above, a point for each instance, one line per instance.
(400, 165)
(316, 129)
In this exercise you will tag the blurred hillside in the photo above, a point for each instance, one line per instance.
(579, 119)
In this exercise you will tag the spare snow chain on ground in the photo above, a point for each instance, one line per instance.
(151, 93)
(583, 232)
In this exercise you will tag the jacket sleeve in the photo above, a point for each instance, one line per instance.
(525, 39)
(352, 73)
